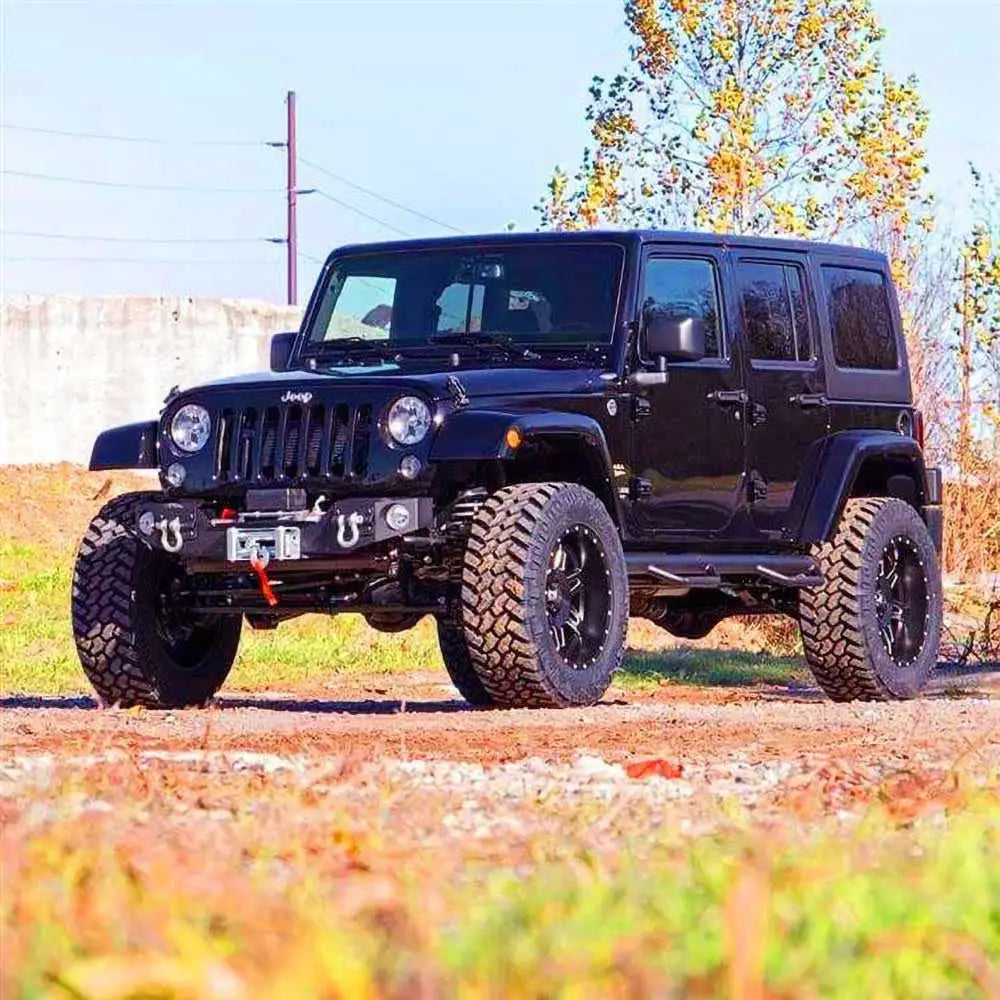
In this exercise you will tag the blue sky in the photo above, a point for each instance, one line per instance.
(457, 109)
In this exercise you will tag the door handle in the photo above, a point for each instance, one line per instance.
(808, 399)
(728, 397)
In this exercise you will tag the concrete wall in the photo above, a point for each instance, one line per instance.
(71, 366)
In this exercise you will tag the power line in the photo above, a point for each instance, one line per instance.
(377, 196)
(138, 187)
(363, 214)
(130, 138)
(72, 237)
(310, 257)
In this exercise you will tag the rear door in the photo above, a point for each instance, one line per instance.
(788, 412)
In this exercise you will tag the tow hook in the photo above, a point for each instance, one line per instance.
(259, 558)
(349, 530)
(169, 528)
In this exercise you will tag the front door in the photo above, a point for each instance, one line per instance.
(787, 411)
(688, 434)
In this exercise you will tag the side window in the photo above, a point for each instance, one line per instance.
(774, 311)
(860, 319)
(686, 288)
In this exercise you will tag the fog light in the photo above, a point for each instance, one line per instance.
(398, 517)
(147, 521)
(176, 474)
(410, 467)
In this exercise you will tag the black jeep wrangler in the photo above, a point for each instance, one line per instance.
(531, 437)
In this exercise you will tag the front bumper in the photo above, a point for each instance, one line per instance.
(350, 532)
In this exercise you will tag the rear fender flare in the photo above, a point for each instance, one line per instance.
(832, 469)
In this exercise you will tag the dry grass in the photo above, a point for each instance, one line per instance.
(127, 881)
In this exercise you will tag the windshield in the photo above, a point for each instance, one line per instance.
(532, 294)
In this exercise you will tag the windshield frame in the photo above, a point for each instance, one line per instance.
(308, 349)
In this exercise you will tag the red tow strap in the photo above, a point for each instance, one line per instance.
(260, 568)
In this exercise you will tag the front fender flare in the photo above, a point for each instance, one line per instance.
(478, 435)
(831, 469)
(132, 446)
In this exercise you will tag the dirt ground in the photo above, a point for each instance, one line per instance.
(417, 716)
(412, 717)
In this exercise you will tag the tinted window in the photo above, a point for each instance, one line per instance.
(860, 320)
(684, 289)
(774, 311)
(557, 293)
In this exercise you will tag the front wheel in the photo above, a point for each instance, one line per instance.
(872, 631)
(137, 643)
(544, 596)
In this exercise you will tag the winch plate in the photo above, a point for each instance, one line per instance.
(281, 543)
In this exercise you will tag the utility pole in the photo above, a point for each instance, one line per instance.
(291, 235)
(292, 192)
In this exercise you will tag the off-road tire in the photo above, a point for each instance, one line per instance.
(504, 616)
(114, 620)
(839, 623)
(458, 663)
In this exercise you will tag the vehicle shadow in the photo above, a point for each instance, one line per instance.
(75, 701)
(318, 706)
(368, 706)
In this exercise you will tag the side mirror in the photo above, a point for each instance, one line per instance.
(281, 350)
(675, 339)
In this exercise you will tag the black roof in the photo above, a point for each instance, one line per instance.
(624, 236)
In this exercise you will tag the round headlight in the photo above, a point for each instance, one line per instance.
(190, 428)
(408, 420)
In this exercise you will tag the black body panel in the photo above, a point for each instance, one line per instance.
(132, 446)
(834, 467)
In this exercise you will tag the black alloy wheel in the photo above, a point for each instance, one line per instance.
(578, 597)
(901, 600)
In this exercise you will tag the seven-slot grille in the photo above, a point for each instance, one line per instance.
(271, 444)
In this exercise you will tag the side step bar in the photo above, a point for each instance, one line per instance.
(711, 570)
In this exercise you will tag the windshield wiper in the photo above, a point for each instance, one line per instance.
(474, 339)
(347, 345)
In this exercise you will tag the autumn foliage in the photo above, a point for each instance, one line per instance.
(760, 117)
(776, 117)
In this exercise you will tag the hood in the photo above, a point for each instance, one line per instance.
(477, 382)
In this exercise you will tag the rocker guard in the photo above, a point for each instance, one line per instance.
(132, 446)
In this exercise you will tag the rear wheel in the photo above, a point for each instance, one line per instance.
(544, 596)
(137, 643)
(872, 631)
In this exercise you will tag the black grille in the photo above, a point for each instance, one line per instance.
(280, 444)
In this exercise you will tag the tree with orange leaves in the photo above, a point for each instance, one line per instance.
(978, 306)
(753, 116)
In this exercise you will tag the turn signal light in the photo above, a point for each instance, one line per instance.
(514, 438)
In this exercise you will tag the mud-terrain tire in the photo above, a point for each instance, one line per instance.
(458, 663)
(872, 631)
(132, 647)
(544, 596)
